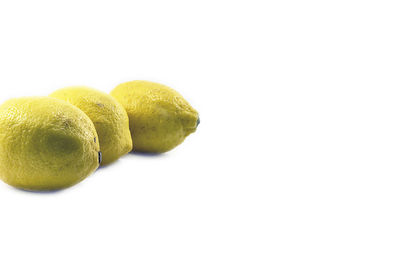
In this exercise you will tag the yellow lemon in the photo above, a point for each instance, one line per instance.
(108, 116)
(159, 117)
(45, 144)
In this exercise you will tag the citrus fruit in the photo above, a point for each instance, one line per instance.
(159, 117)
(45, 144)
(108, 116)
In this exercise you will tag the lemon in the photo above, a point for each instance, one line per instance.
(108, 116)
(45, 144)
(159, 117)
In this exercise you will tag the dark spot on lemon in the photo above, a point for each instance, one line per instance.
(100, 157)
(59, 142)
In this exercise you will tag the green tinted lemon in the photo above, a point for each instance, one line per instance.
(107, 115)
(159, 117)
(45, 144)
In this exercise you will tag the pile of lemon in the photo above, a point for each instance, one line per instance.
(50, 143)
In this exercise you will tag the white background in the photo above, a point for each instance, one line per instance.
(296, 161)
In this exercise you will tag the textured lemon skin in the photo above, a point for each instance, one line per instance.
(45, 144)
(108, 116)
(159, 117)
